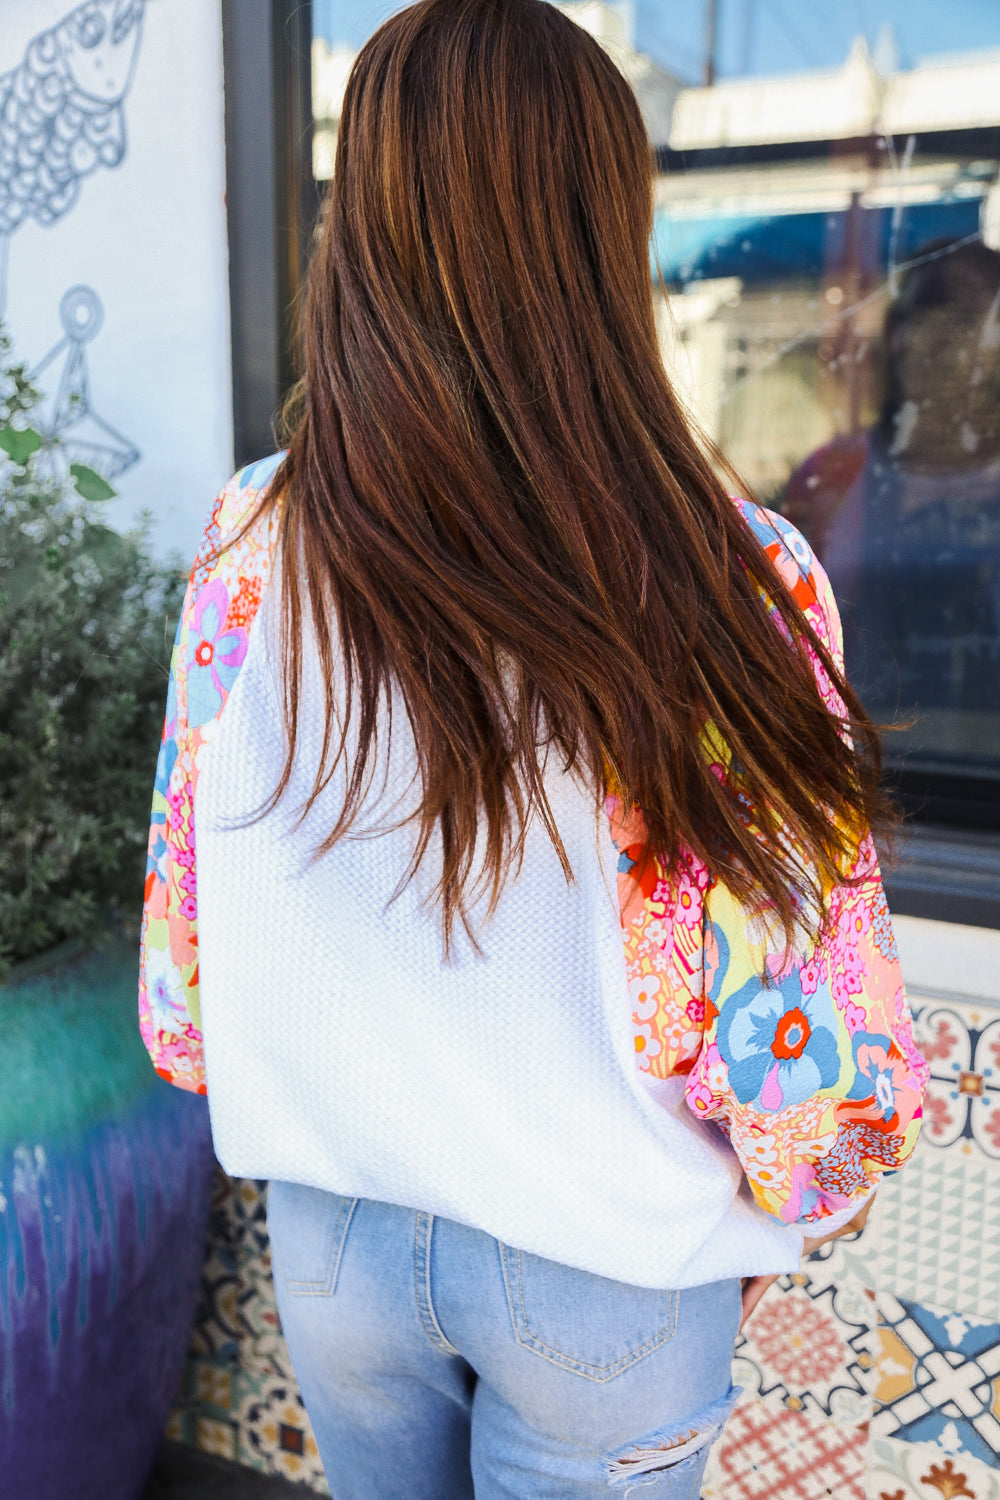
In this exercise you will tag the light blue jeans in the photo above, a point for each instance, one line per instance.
(440, 1364)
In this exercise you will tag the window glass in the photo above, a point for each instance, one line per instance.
(827, 230)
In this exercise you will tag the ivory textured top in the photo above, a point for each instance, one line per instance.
(610, 1083)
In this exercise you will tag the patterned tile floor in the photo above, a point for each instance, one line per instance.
(872, 1374)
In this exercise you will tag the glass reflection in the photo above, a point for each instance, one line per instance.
(827, 231)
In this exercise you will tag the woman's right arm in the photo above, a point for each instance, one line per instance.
(169, 1015)
(226, 586)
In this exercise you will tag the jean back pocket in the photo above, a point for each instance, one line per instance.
(588, 1324)
(308, 1229)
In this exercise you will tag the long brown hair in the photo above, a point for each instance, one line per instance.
(494, 506)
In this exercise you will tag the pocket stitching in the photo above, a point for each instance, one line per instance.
(599, 1373)
(326, 1287)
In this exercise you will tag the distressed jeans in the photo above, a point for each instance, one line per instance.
(439, 1363)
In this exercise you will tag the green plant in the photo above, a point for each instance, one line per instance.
(86, 623)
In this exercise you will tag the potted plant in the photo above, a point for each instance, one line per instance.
(104, 1169)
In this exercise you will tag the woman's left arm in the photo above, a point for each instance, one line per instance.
(813, 1072)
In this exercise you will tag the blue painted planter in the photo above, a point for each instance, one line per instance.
(105, 1173)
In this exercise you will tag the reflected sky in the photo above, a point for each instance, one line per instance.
(757, 36)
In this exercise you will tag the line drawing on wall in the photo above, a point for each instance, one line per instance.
(62, 117)
(85, 438)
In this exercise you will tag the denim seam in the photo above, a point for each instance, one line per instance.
(326, 1287)
(597, 1373)
(423, 1230)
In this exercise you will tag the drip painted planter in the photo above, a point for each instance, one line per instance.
(105, 1175)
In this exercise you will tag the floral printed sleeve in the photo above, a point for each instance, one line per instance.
(813, 1075)
(225, 590)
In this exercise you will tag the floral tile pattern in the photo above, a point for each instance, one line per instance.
(785, 1455)
(274, 1434)
(962, 1045)
(938, 1378)
(808, 1347)
(927, 1471)
(239, 1398)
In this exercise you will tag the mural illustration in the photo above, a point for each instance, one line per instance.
(61, 118)
(61, 113)
(85, 438)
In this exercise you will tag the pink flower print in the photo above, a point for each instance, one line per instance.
(845, 983)
(939, 1116)
(819, 671)
(867, 861)
(646, 1046)
(855, 1017)
(700, 1099)
(854, 964)
(715, 1069)
(645, 995)
(688, 900)
(696, 1010)
(854, 922)
(214, 654)
(810, 975)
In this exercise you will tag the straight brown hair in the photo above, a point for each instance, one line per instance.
(493, 504)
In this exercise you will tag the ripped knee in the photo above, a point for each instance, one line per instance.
(640, 1462)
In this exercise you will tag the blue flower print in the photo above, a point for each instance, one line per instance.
(214, 655)
(780, 1045)
(884, 1085)
(255, 476)
(716, 959)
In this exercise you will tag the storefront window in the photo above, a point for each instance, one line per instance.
(827, 230)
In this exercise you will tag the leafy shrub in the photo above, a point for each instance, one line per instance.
(86, 625)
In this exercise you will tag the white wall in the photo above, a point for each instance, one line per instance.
(945, 960)
(149, 237)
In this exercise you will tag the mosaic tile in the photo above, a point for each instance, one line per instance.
(808, 1347)
(926, 1471)
(217, 1328)
(213, 1435)
(262, 1346)
(212, 1384)
(937, 1378)
(238, 1217)
(962, 1046)
(180, 1427)
(785, 1455)
(935, 1229)
(845, 1262)
(274, 1434)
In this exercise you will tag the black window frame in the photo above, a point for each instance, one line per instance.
(271, 204)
